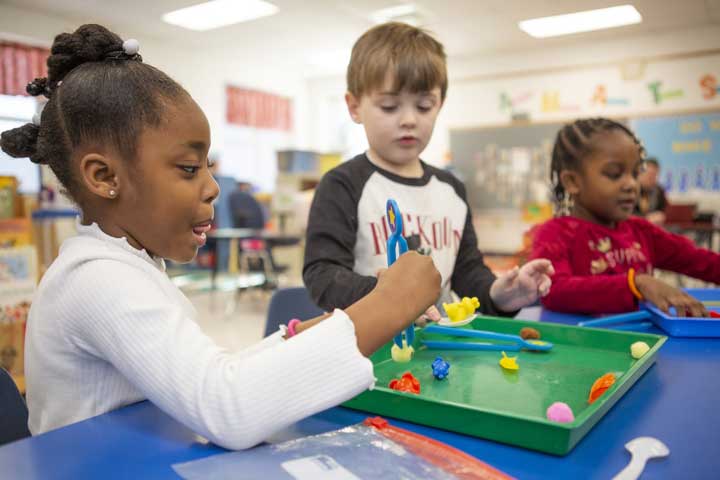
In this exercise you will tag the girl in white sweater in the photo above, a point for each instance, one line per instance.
(107, 327)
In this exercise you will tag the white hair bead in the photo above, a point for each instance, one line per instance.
(131, 46)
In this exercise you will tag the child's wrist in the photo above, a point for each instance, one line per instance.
(395, 309)
(498, 298)
(292, 327)
(636, 283)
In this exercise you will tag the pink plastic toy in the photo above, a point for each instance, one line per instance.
(560, 412)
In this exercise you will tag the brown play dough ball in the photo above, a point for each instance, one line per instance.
(528, 333)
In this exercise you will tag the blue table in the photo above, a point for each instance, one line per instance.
(677, 401)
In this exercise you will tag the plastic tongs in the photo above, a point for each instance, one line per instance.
(623, 321)
(513, 343)
(396, 246)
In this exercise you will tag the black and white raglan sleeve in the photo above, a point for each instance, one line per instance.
(331, 236)
(471, 277)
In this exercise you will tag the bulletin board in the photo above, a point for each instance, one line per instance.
(687, 148)
(504, 167)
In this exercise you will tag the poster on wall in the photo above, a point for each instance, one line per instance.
(627, 89)
(688, 150)
(18, 277)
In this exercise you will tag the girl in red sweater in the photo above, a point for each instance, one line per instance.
(603, 256)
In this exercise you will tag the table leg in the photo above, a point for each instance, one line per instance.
(233, 256)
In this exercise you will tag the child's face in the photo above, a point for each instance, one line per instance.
(606, 188)
(649, 176)
(167, 196)
(398, 125)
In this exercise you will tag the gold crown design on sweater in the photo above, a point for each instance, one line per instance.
(598, 266)
(604, 245)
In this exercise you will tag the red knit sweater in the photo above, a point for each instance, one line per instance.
(591, 261)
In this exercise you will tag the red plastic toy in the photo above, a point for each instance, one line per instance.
(407, 383)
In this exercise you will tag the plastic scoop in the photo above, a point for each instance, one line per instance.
(642, 449)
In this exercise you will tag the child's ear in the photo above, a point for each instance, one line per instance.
(570, 180)
(353, 104)
(98, 174)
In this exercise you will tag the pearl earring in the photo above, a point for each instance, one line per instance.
(112, 193)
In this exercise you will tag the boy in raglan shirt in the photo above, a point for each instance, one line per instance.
(397, 81)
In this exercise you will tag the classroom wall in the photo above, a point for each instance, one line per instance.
(203, 72)
(477, 84)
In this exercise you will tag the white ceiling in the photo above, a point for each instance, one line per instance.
(466, 27)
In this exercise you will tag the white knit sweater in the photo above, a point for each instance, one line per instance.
(108, 328)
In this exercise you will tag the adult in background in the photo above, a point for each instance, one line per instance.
(652, 202)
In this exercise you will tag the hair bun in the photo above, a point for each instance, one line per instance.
(89, 43)
(39, 86)
(21, 142)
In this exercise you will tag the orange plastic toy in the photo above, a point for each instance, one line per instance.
(407, 383)
(600, 386)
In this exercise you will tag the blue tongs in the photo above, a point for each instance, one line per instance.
(514, 342)
(396, 242)
(623, 321)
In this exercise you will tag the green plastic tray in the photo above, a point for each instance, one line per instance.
(481, 399)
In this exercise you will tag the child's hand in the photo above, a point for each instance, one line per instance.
(403, 292)
(664, 296)
(522, 286)
(431, 314)
(412, 280)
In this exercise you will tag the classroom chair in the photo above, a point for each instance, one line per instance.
(13, 411)
(289, 303)
(254, 254)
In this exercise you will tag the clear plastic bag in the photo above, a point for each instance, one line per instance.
(373, 449)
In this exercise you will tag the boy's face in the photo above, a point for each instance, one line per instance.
(398, 125)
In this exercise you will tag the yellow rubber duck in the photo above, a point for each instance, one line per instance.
(459, 311)
(509, 363)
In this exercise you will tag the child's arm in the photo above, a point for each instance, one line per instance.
(331, 234)
(383, 312)
(471, 277)
(498, 296)
(236, 400)
(588, 294)
(678, 254)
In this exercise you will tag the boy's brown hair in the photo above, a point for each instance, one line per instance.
(415, 58)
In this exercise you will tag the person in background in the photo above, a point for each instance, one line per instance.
(246, 211)
(652, 201)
